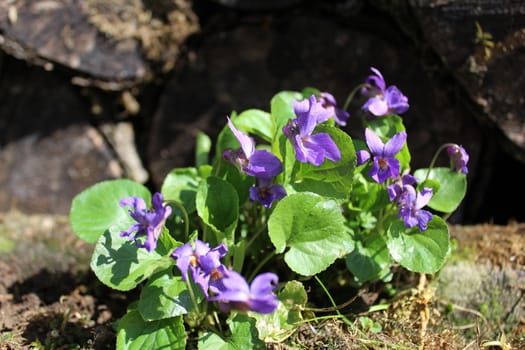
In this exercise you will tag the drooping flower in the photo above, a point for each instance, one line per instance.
(149, 222)
(384, 165)
(310, 148)
(383, 100)
(257, 163)
(233, 292)
(328, 101)
(201, 261)
(266, 193)
(458, 157)
(411, 209)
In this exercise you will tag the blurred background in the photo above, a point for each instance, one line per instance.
(93, 90)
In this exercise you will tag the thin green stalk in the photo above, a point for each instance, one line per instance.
(345, 319)
(352, 94)
(192, 295)
(434, 159)
(185, 218)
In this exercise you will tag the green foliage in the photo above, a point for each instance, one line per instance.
(331, 212)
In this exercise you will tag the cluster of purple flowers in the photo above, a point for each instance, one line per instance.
(223, 285)
(402, 192)
(410, 202)
(227, 287)
(309, 147)
(261, 164)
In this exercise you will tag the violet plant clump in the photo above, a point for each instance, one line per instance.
(220, 250)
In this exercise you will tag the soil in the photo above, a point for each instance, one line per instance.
(49, 298)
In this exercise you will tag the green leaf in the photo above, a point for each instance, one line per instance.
(330, 179)
(280, 324)
(244, 336)
(425, 251)
(165, 296)
(452, 189)
(312, 228)
(97, 208)
(256, 122)
(218, 206)
(181, 185)
(136, 334)
(370, 260)
(119, 264)
(368, 195)
(202, 149)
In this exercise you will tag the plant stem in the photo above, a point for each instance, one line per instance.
(352, 94)
(185, 218)
(192, 295)
(434, 159)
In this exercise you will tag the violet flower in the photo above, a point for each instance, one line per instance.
(328, 101)
(397, 191)
(149, 222)
(310, 148)
(201, 261)
(383, 100)
(257, 163)
(233, 292)
(384, 165)
(266, 193)
(458, 157)
(411, 210)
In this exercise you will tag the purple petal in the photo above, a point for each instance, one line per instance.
(423, 198)
(265, 305)
(396, 101)
(182, 254)
(263, 164)
(374, 143)
(376, 82)
(247, 143)
(362, 156)
(323, 141)
(137, 203)
(393, 167)
(306, 120)
(423, 217)
(394, 145)
(376, 105)
(264, 283)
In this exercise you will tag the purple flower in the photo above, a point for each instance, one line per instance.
(266, 193)
(458, 157)
(328, 101)
(200, 260)
(397, 191)
(383, 100)
(411, 211)
(310, 148)
(384, 165)
(257, 163)
(149, 222)
(233, 292)
(362, 156)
